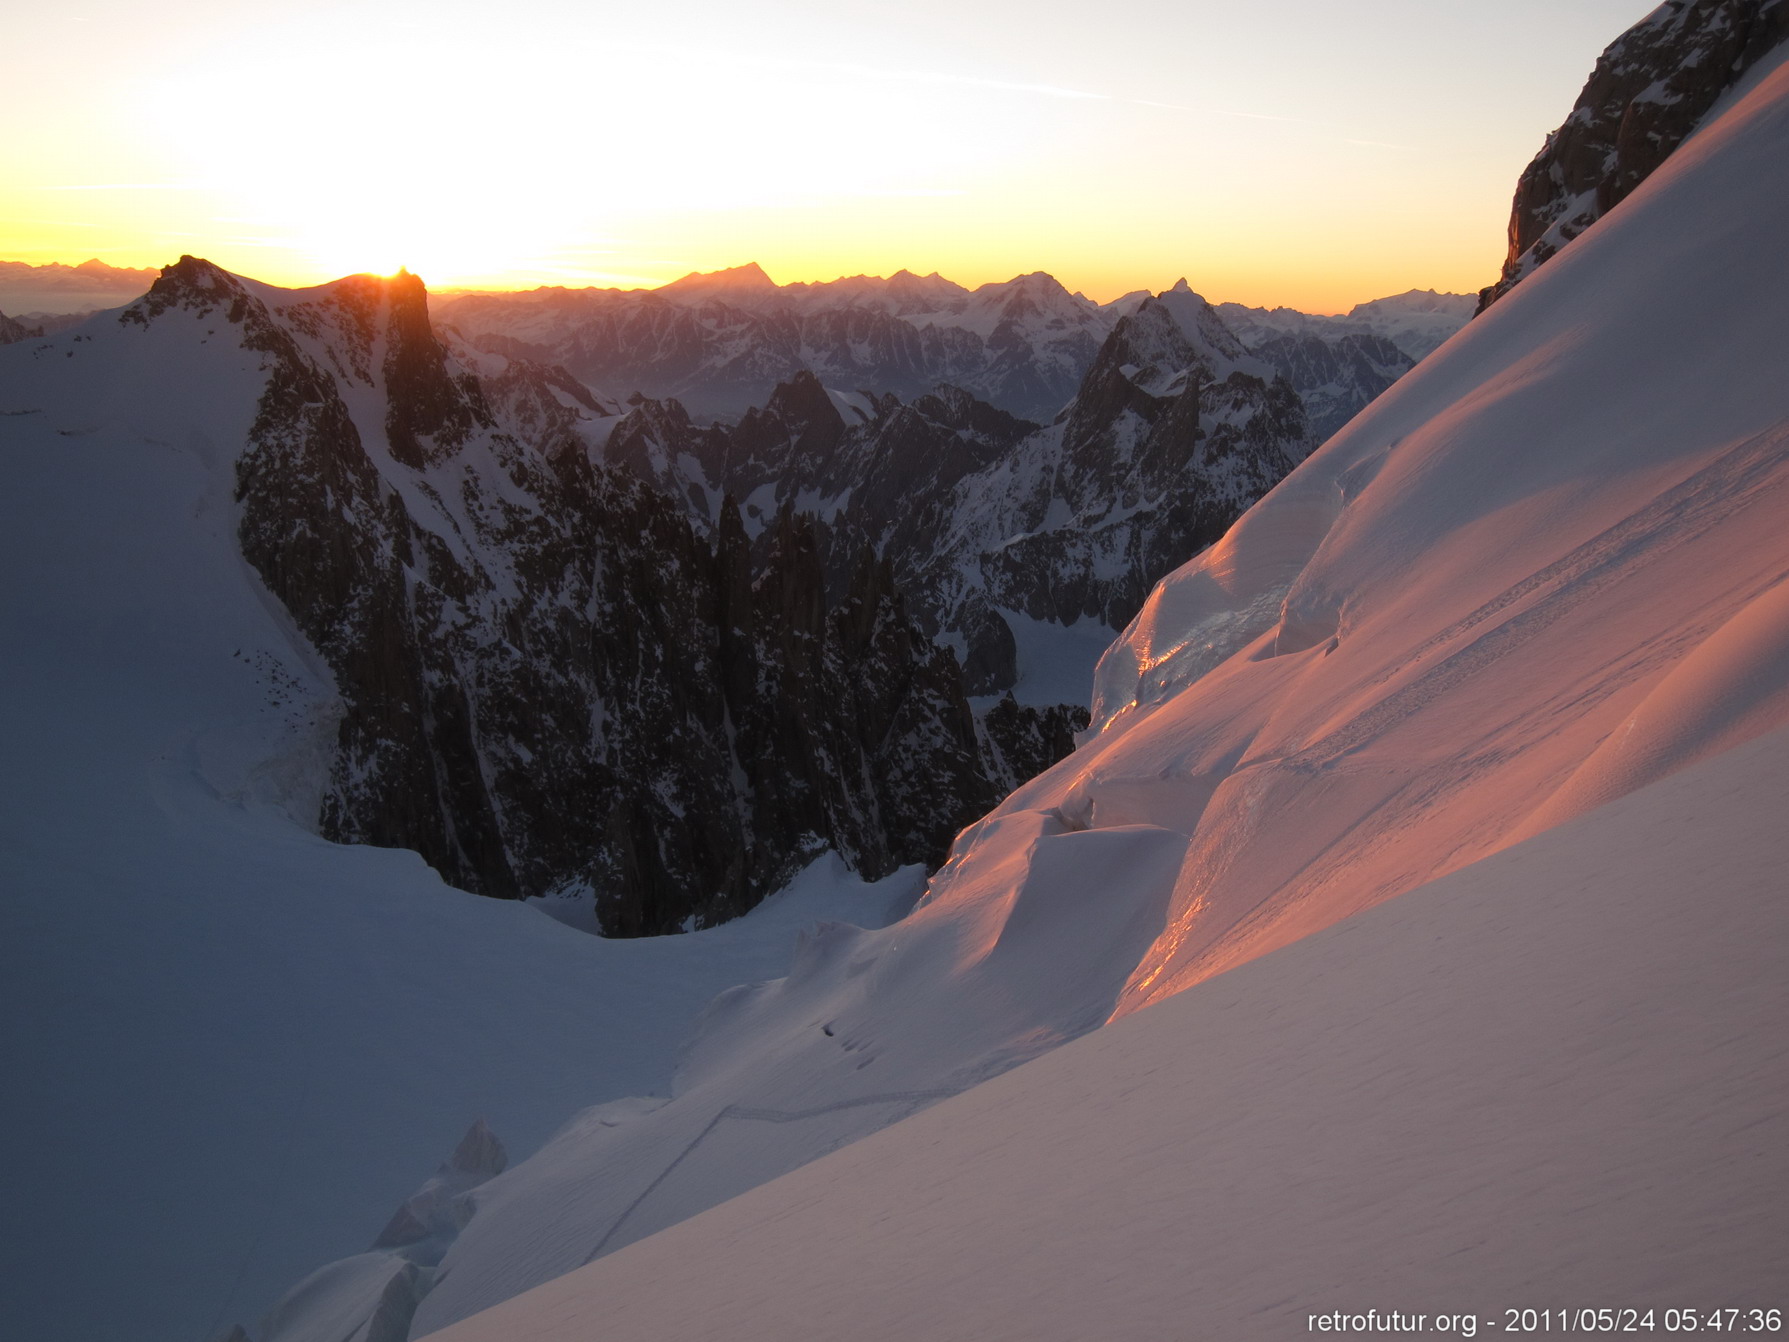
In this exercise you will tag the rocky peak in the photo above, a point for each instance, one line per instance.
(479, 1153)
(11, 331)
(1650, 89)
(1038, 294)
(958, 409)
(1200, 323)
(747, 279)
(798, 425)
(910, 293)
(190, 283)
(431, 411)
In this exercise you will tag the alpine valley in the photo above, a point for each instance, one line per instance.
(1386, 921)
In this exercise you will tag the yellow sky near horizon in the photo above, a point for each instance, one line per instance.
(1298, 153)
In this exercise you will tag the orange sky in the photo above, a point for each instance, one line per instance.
(1299, 153)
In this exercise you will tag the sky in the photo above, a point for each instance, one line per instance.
(1296, 152)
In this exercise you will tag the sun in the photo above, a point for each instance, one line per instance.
(446, 247)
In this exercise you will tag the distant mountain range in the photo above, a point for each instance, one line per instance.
(53, 290)
(718, 342)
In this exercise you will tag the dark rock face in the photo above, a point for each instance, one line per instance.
(1335, 377)
(1022, 741)
(854, 729)
(1178, 430)
(1649, 90)
(11, 332)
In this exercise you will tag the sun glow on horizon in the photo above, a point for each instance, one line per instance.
(557, 147)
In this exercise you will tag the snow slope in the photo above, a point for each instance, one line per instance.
(231, 1048)
(1559, 534)
(1420, 636)
(1558, 1078)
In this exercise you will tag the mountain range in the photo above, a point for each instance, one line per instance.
(48, 292)
(719, 342)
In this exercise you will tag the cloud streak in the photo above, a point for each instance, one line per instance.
(940, 78)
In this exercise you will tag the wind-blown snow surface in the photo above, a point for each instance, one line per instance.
(1558, 1078)
(1414, 642)
(231, 1049)
(1561, 533)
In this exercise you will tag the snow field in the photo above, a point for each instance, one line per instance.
(1553, 1079)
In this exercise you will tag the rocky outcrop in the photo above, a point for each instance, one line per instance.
(1022, 741)
(1650, 89)
(11, 332)
(1335, 377)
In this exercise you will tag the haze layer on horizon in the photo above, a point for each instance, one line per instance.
(1281, 152)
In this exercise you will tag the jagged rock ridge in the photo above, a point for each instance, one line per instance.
(720, 342)
(12, 331)
(982, 516)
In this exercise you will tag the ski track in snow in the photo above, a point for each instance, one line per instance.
(913, 1099)
(1557, 1078)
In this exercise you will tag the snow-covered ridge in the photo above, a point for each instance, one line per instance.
(1396, 593)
